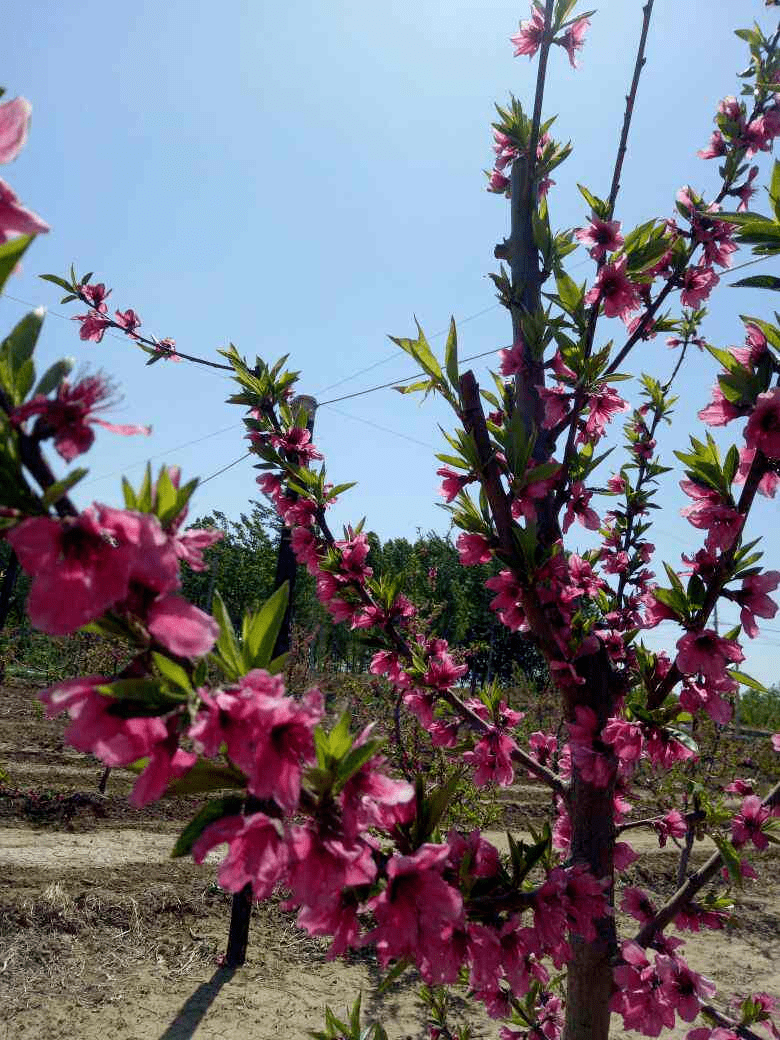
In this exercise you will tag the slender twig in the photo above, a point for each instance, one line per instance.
(630, 100)
(686, 892)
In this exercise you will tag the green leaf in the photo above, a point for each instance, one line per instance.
(53, 376)
(747, 680)
(206, 776)
(172, 671)
(451, 356)
(56, 280)
(167, 499)
(260, 630)
(11, 253)
(62, 487)
(730, 857)
(228, 654)
(758, 281)
(230, 805)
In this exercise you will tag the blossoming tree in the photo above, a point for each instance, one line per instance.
(200, 707)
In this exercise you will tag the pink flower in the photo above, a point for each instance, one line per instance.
(453, 482)
(180, 627)
(492, 759)
(574, 38)
(93, 326)
(747, 825)
(595, 763)
(577, 507)
(497, 182)
(512, 360)
(683, 988)
(637, 903)
(267, 735)
(615, 290)
(639, 997)
(776, 742)
(257, 853)
(69, 415)
(14, 218)
(754, 600)
(720, 410)
(167, 761)
(473, 549)
(603, 236)
(626, 739)
(191, 544)
(672, 825)
(14, 120)
(715, 148)
(707, 654)
(529, 38)
(94, 728)
(698, 283)
(77, 572)
(442, 671)
(762, 432)
(415, 909)
(602, 405)
(297, 443)
(128, 321)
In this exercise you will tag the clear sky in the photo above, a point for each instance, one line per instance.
(303, 178)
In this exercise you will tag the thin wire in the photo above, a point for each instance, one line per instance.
(160, 454)
(224, 469)
(397, 382)
(395, 354)
(377, 426)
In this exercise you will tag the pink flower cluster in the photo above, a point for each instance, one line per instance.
(15, 219)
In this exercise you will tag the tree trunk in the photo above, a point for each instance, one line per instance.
(589, 973)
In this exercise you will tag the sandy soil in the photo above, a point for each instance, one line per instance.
(103, 935)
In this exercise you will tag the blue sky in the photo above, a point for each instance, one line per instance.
(304, 178)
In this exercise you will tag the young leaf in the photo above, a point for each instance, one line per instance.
(261, 629)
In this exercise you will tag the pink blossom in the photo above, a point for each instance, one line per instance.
(683, 988)
(574, 38)
(14, 120)
(94, 728)
(555, 400)
(709, 512)
(673, 825)
(415, 909)
(720, 410)
(385, 662)
(715, 148)
(746, 191)
(707, 654)
(602, 405)
(512, 360)
(492, 759)
(595, 764)
(637, 903)
(473, 549)
(191, 544)
(442, 671)
(497, 183)
(639, 997)
(181, 627)
(257, 853)
(93, 326)
(167, 761)
(624, 855)
(625, 737)
(663, 750)
(762, 432)
(77, 572)
(128, 321)
(529, 38)
(603, 236)
(14, 218)
(747, 825)
(453, 482)
(770, 481)
(776, 742)
(267, 735)
(753, 599)
(698, 283)
(615, 290)
(69, 415)
(296, 442)
(483, 860)
(695, 696)
(577, 507)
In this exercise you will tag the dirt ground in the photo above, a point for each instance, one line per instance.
(103, 935)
